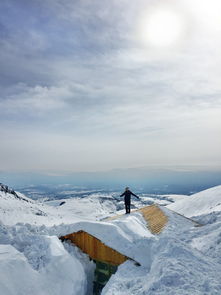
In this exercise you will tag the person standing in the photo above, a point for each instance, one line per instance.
(127, 198)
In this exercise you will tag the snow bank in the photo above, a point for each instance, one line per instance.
(17, 276)
(60, 273)
(63, 271)
(176, 269)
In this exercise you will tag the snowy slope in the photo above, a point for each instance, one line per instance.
(14, 210)
(182, 260)
(204, 202)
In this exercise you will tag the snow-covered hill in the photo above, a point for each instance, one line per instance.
(182, 260)
(17, 209)
(204, 202)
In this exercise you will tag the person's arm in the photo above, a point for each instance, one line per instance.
(122, 194)
(134, 195)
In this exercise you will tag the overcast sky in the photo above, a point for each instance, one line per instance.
(94, 85)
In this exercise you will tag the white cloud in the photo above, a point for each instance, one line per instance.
(83, 92)
(35, 100)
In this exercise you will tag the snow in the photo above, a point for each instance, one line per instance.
(62, 273)
(176, 269)
(178, 264)
(182, 260)
(129, 235)
(14, 271)
(200, 203)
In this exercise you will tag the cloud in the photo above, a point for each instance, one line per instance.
(36, 99)
(75, 71)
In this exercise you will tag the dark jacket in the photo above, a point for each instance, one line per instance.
(127, 195)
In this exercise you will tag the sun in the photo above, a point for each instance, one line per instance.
(162, 27)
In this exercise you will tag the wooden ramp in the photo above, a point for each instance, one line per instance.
(95, 248)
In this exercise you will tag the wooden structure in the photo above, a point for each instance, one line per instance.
(95, 248)
(106, 258)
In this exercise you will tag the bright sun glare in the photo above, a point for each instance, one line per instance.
(161, 27)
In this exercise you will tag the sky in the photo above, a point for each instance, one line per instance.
(97, 85)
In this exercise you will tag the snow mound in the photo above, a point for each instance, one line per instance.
(204, 202)
(62, 274)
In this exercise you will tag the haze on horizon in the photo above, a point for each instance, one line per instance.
(98, 85)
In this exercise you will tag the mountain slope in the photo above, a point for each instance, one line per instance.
(204, 202)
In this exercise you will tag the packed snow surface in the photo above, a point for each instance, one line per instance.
(182, 260)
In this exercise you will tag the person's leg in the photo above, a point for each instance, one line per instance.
(129, 208)
(125, 203)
